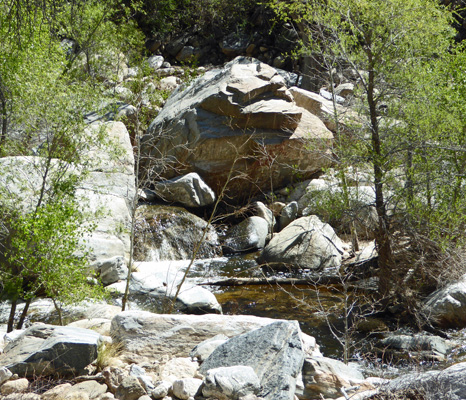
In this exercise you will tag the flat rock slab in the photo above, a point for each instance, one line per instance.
(47, 349)
(274, 352)
(147, 336)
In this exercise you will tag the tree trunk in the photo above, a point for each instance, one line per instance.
(23, 314)
(11, 318)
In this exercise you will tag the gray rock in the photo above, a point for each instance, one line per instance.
(47, 349)
(235, 44)
(447, 306)
(426, 346)
(160, 390)
(144, 380)
(345, 90)
(305, 243)
(325, 377)
(186, 387)
(198, 300)
(155, 62)
(189, 190)
(206, 347)
(433, 385)
(230, 383)
(186, 54)
(264, 212)
(5, 374)
(274, 352)
(112, 270)
(210, 124)
(288, 214)
(130, 389)
(250, 234)
(145, 335)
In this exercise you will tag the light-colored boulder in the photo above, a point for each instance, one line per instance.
(155, 62)
(287, 215)
(145, 335)
(14, 386)
(186, 387)
(274, 352)
(241, 114)
(250, 234)
(326, 376)
(22, 396)
(189, 190)
(5, 374)
(56, 393)
(91, 389)
(230, 383)
(99, 325)
(447, 306)
(198, 300)
(264, 212)
(48, 349)
(305, 243)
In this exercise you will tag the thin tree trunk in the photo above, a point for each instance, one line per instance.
(11, 318)
(23, 314)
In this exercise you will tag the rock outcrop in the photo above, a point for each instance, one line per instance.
(48, 350)
(305, 243)
(275, 353)
(240, 119)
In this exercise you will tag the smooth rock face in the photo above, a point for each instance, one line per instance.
(230, 383)
(447, 384)
(447, 306)
(145, 335)
(189, 190)
(240, 116)
(250, 234)
(274, 352)
(305, 243)
(47, 349)
(325, 376)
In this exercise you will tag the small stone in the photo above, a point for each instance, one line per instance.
(161, 389)
(130, 389)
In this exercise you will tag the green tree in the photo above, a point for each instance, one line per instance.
(391, 47)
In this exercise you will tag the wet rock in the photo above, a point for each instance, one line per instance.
(230, 383)
(325, 377)
(130, 389)
(172, 233)
(189, 190)
(48, 349)
(238, 115)
(186, 387)
(146, 335)
(274, 352)
(305, 243)
(250, 234)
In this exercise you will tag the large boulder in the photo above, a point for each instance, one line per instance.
(108, 189)
(189, 190)
(239, 119)
(305, 243)
(432, 385)
(250, 234)
(324, 377)
(48, 350)
(172, 233)
(145, 335)
(275, 353)
(447, 306)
